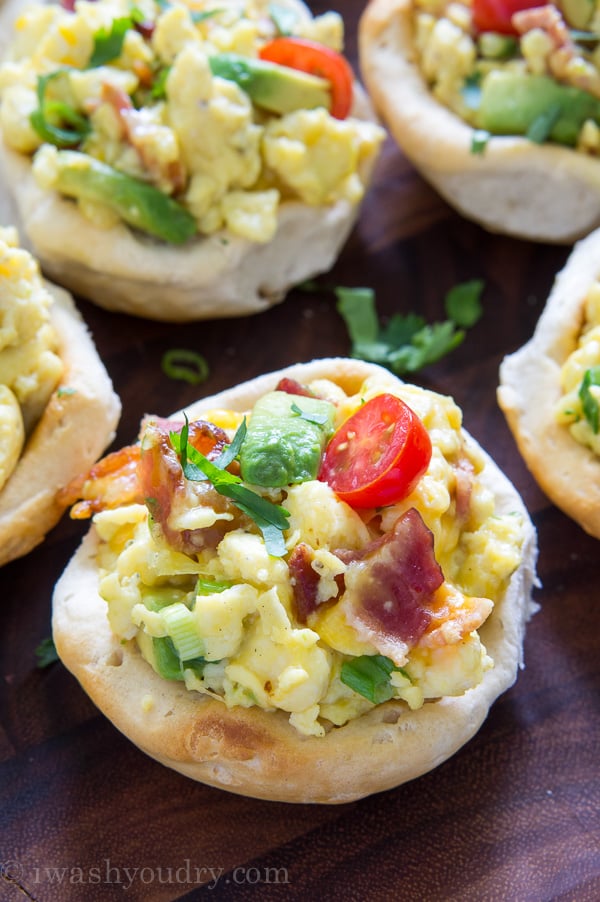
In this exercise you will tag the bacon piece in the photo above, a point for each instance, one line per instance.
(292, 387)
(305, 581)
(389, 593)
(109, 483)
(168, 494)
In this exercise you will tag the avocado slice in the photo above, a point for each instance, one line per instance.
(577, 13)
(137, 203)
(285, 439)
(534, 105)
(278, 89)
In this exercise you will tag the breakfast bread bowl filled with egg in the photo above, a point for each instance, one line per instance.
(308, 588)
(550, 390)
(183, 161)
(497, 104)
(58, 410)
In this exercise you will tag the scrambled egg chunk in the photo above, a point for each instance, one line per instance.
(225, 621)
(132, 86)
(579, 405)
(30, 365)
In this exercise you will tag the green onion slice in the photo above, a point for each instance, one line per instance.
(369, 675)
(185, 365)
(591, 408)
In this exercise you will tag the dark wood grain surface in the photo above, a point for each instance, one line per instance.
(513, 816)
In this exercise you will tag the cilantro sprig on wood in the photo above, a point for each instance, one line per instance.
(407, 343)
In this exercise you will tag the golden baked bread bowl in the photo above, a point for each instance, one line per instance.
(549, 390)
(289, 691)
(501, 179)
(58, 410)
(177, 194)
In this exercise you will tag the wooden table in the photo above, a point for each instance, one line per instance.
(513, 816)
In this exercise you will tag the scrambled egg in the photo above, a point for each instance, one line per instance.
(30, 366)
(158, 114)
(228, 617)
(456, 59)
(577, 397)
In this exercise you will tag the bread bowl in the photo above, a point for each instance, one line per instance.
(260, 199)
(528, 189)
(58, 409)
(541, 391)
(262, 729)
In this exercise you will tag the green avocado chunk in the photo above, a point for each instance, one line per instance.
(517, 104)
(137, 203)
(278, 89)
(285, 439)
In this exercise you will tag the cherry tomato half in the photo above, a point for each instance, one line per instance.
(496, 15)
(378, 455)
(316, 59)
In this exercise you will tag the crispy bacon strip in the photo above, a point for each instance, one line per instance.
(389, 593)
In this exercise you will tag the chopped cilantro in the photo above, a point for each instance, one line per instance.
(46, 653)
(319, 419)
(407, 343)
(108, 43)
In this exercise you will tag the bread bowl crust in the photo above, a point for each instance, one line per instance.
(538, 192)
(214, 276)
(529, 389)
(77, 425)
(257, 753)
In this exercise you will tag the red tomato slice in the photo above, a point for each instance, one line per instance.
(316, 59)
(496, 15)
(378, 455)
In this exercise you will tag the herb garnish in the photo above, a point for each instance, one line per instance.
(55, 121)
(540, 129)
(369, 675)
(46, 653)
(185, 365)
(319, 419)
(270, 518)
(407, 343)
(108, 44)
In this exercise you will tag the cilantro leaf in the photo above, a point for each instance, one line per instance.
(463, 304)
(407, 343)
(317, 418)
(108, 44)
(46, 653)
